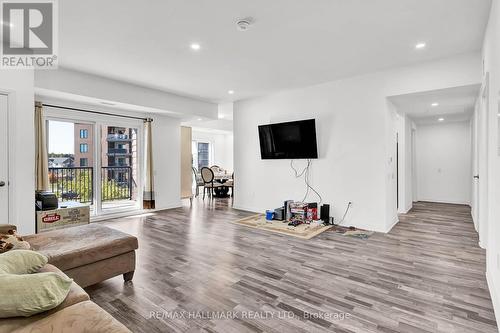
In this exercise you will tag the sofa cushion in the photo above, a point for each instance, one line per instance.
(82, 317)
(29, 294)
(76, 295)
(21, 262)
(77, 246)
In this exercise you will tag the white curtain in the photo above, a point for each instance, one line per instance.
(148, 194)
(41, 163)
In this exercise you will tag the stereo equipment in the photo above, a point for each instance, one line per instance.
(325, 213)
(279, 214)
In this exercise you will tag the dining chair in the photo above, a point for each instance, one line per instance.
(208, 181)
(230, 183)
(198, 179)
(216, 168)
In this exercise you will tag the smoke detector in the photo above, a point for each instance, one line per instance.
(244, 24)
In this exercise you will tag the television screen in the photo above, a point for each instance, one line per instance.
(296, 139)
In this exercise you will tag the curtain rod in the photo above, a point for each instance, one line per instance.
(97, 112)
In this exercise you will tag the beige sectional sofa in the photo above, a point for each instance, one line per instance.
(89, 254)
(76, 314)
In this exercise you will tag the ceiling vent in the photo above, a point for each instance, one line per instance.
(244, 24)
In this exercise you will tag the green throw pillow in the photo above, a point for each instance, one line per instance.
(28, 294)
(21, 262)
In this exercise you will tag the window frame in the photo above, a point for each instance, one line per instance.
(55, 114)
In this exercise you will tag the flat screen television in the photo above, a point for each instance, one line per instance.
(291, 140)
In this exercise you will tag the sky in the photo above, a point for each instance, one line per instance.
(61, 137)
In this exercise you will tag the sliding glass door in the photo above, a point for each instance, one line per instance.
(71, 159)
(119, 167)
(96, 163)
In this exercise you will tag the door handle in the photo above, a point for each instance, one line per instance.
(476, 177)
(2, 183)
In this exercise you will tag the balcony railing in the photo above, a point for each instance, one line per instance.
(77, 183)
(118, 137)
(116, 183)
(118, 151)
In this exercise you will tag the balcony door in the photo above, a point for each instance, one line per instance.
(119, 167)
(95, 163)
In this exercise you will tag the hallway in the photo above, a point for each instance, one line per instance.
(426, 275)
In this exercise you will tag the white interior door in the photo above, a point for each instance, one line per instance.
(4, 162)
(482, 176)
(475, 168)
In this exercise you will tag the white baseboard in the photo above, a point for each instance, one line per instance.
(445, 201)
(131, 213)
(248, 209)
(494, 294)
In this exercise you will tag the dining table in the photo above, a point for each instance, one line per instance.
(221, 178)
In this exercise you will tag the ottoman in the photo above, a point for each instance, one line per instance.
(89, 253)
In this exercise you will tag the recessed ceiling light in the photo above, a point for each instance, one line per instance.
(441, 119)
(199, 119)
(195, 46)
(434, 104)
(420, 46)
(230, 92)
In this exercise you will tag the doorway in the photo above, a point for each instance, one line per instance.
(95, 162)
(436, 145)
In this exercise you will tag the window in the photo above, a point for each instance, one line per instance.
(84, 134)
(84, 148)
(202, 156)
(76, 174)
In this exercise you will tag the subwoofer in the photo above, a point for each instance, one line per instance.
(325, 213)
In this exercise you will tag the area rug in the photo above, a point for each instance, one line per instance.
(352, 232)
(304, 231)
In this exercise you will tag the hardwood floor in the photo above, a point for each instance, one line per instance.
(426, 275)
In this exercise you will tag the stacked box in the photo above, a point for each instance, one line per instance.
(299, 211)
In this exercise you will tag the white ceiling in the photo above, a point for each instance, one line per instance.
(292, 43)
(455, 104)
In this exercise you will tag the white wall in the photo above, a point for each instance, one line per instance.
(222, 146)
(166, 161)
(491, 58)
(19, 85)
(444, 162)
(352, 123)
(65, 81)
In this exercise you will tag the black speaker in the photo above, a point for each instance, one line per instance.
(325, 213)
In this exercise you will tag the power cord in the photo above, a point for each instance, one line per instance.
(345, 214)
(306, 173)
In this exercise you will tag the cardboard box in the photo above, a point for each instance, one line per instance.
(73, 213)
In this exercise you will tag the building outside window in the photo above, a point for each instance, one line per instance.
(84, 148)
(84, 134)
